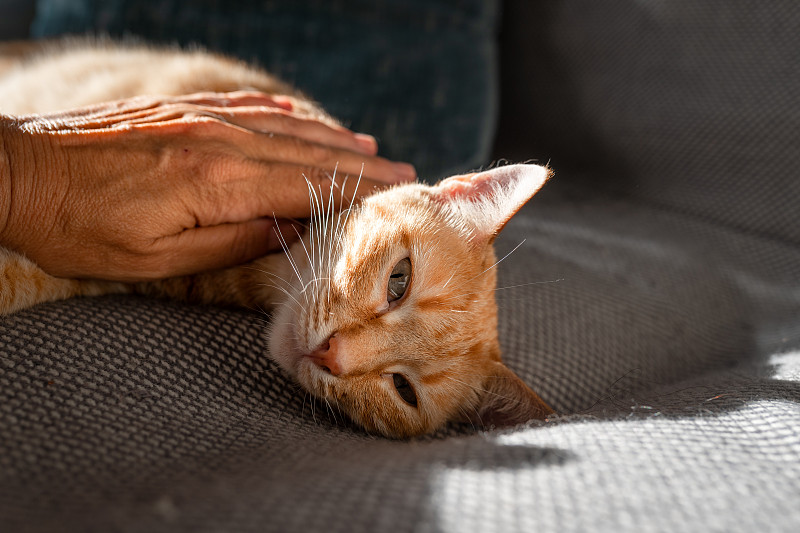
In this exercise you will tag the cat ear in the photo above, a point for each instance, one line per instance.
(485, 201)
(508, 401)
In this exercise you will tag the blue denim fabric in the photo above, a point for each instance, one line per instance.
(418, 74)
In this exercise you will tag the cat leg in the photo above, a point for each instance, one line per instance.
(258, 285)
(23, 284)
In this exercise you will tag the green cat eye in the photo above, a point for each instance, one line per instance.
(404, 389)
(399, 280)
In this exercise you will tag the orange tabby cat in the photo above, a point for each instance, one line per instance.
(385, 309)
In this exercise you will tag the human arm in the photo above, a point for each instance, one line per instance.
(147, 188)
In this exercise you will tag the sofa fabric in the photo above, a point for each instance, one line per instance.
(686, 105)
(654, 302)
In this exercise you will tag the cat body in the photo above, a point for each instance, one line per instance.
(384, 308)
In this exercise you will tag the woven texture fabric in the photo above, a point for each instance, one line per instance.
(691, 106)
(659, 313)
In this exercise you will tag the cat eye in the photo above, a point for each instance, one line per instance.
(399, 280)
(404, 389)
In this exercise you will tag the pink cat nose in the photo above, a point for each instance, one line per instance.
(326, 356)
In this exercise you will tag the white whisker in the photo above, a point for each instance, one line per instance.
(500, 260)
(286, 250)
(529, 283)
(284, 291)
(478, 389)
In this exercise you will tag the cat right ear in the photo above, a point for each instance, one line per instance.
(485, 201)
(508, 401)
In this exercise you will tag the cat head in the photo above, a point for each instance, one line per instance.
(392, 317)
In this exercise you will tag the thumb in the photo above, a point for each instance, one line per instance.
(224, 245)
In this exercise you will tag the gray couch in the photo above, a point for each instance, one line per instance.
(655, 303)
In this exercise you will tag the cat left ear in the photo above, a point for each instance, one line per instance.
(485, 201)
(508, 401)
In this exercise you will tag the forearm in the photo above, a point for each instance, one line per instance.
(24, 158)
(6, 131)
(148, 188)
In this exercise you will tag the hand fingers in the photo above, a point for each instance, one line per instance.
(273, 148)
(154, 108)
(258, 119)
(235, 99)
(250, 110)
(220, 246)
(275, 190)
(285, 149)
(266, 120)
(309, 129)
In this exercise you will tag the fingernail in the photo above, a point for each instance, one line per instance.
(283, 103)
(367, 143)
(405, 172)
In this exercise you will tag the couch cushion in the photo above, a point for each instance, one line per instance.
(419, 75)
(691, 106)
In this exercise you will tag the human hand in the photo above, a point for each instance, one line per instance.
(147, 188)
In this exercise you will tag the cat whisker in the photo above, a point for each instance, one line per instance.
(448, 281)
(321, 228)
(478, 389)
(335, 227)
(469, 419)
(315, 239)
(338, 230)
(464, 294)
(499, 261)
(307, 285)
(275, 277)
(341, 190)
(330, 410)
(286, 250)
(330, 212)
(327, 223)
(529, 283)
(257, 308)
(313, 273)
(284, 291)
(314, 231)
(298, 222)
(264, 321)
(267, 273)
(352, 199)
(313, 403)
(310, 397)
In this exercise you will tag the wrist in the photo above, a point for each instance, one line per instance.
(18, 176)
(6, 133)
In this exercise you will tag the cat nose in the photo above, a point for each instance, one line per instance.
(326, 356)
